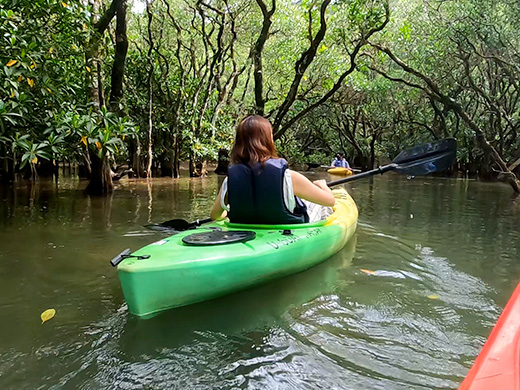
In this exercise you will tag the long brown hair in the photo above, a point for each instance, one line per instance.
(253, 141)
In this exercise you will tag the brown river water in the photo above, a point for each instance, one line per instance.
(445, 256)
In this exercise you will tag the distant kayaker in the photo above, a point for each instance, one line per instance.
(260, 189)
(339, 162)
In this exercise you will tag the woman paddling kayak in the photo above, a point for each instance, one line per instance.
(260, 189)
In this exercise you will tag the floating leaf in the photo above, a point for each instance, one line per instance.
(34, 160)
(12, 62)
(98, 145)
(433, 296)
(88, 69)
(47, 315)
(30, 82)
(20, 78)
(367, 271)
(84, 140)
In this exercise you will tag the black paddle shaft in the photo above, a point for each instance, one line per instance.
(361, 175)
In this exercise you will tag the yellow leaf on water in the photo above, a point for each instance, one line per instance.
(98, 145)
(30, 82)
(47, 315)
(34, 160)
(84, 140)
(433, 296)
(12, 62)
(367, 271)
(88, 69)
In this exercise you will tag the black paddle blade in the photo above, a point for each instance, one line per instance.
(177, 225)
(428, 158)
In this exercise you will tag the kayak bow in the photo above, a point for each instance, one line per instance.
(498, 364)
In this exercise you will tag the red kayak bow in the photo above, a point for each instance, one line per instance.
(498, 365)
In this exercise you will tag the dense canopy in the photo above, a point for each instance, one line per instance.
(151, 84)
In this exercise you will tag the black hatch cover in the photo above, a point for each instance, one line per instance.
(218, 237)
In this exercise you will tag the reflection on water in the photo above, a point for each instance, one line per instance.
(406, 305)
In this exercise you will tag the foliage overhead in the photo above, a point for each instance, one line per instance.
(365, 77)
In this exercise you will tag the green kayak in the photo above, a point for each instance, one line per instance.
(185, 269)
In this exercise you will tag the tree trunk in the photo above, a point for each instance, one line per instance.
(135, 157)
(176, 159)
(193, 168)
(150, 92)
(223, 162)
(93, 60)
(7, 171)
(46, 168)
(257, 55)
(372, 152)
(101, 178)
(150, 130)
(121, 49)
(166, 162)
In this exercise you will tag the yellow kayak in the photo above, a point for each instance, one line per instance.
(340, 171)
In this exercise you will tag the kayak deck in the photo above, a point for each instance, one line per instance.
(176, 274)
(498, 364)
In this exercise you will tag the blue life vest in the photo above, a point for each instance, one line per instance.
(337, 163)
(255, 195)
